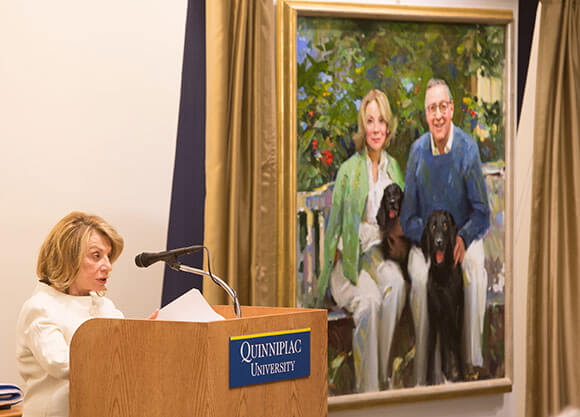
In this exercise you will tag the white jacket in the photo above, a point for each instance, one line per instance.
(45, 328)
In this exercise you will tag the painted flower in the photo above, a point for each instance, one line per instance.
(328, 157)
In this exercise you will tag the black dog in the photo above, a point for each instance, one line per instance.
(445, 300)
(395, 245)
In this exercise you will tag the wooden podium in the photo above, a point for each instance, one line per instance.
(143, 368)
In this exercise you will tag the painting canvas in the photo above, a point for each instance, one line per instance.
(337, 57)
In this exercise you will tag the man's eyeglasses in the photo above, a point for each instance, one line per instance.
(443, 107)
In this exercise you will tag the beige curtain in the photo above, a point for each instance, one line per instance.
(553, 345)
(240, 214)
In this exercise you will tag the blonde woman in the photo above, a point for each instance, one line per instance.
(74, 266)
(359, 278)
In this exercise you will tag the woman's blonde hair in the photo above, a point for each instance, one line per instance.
(65, 246)
(385, 111)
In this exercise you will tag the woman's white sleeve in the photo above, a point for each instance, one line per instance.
(49, 347)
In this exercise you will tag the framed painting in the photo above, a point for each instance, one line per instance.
(330, 55)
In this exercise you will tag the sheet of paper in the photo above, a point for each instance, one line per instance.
(191, 306)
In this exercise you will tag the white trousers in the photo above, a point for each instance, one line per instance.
(475, 293)
(376, 303)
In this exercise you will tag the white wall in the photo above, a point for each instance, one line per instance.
(89, 98)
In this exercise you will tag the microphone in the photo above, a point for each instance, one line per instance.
(143, 260)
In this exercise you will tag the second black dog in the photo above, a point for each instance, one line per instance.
(445, 300)
(395, 245)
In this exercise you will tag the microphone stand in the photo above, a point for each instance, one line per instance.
(178, 266)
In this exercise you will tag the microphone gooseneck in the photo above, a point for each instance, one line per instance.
(231, 292)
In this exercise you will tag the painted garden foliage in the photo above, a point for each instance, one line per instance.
(338, 61)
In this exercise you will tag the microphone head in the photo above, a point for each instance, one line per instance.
(142, 260)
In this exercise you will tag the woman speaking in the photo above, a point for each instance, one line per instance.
(74, 265)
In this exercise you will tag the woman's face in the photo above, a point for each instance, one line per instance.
(376, 127)
(95, 266)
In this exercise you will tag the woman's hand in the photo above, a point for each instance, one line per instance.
(153, 315)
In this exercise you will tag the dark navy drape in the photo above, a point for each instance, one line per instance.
(188, 192)
(526, 23)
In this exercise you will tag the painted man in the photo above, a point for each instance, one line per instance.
(444, 173)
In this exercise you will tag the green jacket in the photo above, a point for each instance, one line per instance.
(349, 199)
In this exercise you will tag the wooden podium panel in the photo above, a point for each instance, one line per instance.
(14, 411)
(148, 368)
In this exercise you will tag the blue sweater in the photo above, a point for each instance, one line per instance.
(453, 182)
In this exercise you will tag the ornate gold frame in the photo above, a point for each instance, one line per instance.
(287, 13)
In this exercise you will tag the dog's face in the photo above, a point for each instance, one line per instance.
(439, 237)
(390, 204)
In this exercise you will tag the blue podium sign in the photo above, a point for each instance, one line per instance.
(268, 357)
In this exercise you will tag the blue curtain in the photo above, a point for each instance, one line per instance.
(186, 216)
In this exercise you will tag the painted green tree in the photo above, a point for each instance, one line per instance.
(340, 60)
